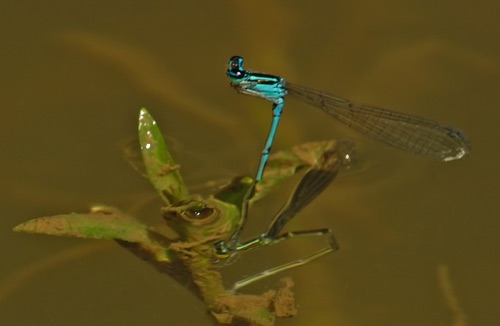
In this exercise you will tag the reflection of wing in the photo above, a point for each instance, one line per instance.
(157, 254)
(131, 154)
(314, 181)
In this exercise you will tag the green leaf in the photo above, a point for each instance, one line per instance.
(161, 169)
(109, 223)
(101, 223)
(235, 192)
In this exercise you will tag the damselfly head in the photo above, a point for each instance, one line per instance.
(235, 69)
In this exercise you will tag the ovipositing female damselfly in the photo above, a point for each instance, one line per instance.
(202, 223)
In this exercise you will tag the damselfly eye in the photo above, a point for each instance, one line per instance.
(235, 69)
(236, 62)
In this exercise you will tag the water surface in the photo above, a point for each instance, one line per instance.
(74, 76)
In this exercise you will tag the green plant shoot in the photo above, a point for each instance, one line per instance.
(202, 222)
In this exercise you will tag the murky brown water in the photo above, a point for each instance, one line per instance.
(73, 77)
